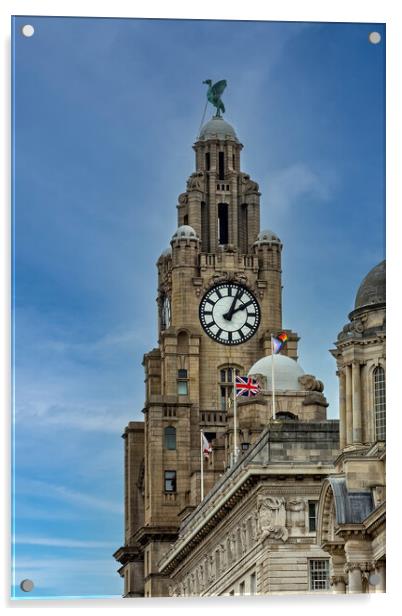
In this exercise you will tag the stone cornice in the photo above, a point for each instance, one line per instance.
(219, 508)
(160, 533)
(375, 519)
(127, 553)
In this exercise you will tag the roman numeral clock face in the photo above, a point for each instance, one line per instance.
(229, 313)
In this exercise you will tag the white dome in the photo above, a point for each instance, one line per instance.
(267, 236)
(167, 252)
(184, 231)
(217, 128)
(286, 372)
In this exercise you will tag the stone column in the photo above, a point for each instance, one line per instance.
(338, 584)
(342, 409)
(354, 578)
(357, 412)
(380, 571)
(349, 405)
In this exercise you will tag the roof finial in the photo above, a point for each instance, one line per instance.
(214, 94)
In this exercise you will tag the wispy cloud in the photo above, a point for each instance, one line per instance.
(63, 543)
(286, 186)
(73, 497)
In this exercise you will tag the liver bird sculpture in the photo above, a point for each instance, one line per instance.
(214, 94)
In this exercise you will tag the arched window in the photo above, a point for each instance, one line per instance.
(170, 437)
(379, 403)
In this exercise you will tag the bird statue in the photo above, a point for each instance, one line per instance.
(214, 94)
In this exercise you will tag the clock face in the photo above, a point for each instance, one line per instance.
(229, 313)
(166, 313)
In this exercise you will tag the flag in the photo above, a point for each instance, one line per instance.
(277, 342)
(206, 446)
(247, 386)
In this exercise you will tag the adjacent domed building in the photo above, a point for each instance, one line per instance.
(351, 514)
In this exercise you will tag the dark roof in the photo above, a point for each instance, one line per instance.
(350, 507)
(372, 288)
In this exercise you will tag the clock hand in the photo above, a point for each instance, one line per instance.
(228, 315)
(242, 307)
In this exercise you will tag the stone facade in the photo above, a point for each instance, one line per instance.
(254, 532)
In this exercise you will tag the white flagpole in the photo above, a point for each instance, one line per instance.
(202, 465)
(234, 416)
(273, 379)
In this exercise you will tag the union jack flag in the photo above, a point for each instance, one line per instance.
(247, 386)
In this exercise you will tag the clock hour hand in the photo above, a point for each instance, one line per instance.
(228, 315)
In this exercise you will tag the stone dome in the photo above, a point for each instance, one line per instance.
(184, 231)
(372, 288)
(266, 237)
(166, 253)
(287, 372)
(217, 128)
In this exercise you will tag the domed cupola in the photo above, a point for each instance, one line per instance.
(267, 237)
(372, 289)
(184, 232)
(287, 372)
(217, 128)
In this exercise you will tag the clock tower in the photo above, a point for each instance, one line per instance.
(219, 299)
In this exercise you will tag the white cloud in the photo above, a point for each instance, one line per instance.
(286, 186)
(62, 542)
(73, 497)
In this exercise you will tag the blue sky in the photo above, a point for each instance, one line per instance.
(106, 111)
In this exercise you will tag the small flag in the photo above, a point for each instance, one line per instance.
(278, 342)
(206, 446)
(247, 386)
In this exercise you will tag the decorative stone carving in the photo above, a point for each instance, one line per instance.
(296, 508)
(310, 383)
(337, 579)
(196, 181)
(272, 517)
(223, 556)
(183, 198)
(248, 185)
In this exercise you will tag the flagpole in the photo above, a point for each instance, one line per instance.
(234, 415)
(202, 465)
(273, 379)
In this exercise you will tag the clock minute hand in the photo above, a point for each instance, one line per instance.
(228, 315)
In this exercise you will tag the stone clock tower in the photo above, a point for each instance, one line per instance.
(219, 299)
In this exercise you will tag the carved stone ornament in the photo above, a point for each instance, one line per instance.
(310, 383)
(364, 566)
(183, 198)
(272, 517)
(337, 579)
(196, 181)
(296, 508)
(248, 185)
(295, 504)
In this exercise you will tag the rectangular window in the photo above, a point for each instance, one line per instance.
(241, 588)
(312, 516)
(221, 162)
(319, 574)
(245, 446)
(170, 481)
(223, 223)
(253, 586)
(182, 388)
(182, 383)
